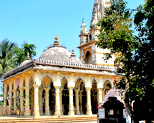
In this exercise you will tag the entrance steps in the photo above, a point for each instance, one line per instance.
(48, 119)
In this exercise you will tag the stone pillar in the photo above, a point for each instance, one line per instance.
(36, 104)
(80, 95)
(21, 101)
(47, 112)
(32, 101)
(15, 100)
(61, 108)
(27, 112)
(40, 102)
(89, 112)
(77, 101)
(57, 106)
(71, 106)
(99, 95)
(10, 101)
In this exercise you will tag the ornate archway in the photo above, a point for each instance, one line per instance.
(107, 86)
(94, 97)
(52, 99)
(47, 96)
(31, 96)
(65, 96)
(88, 58)
(81, 97)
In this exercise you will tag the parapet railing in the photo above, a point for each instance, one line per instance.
(72, 64)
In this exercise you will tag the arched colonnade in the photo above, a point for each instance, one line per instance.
(55, 95)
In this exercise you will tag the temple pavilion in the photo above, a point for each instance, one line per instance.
(59, 83)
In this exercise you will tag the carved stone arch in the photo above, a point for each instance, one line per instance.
(107, 86)
(44, 75)
(94, 100)
(93, 79)
(64, 82)
(78, 83)
(46, 81)
(79, 77)
(31, 82)
(107, 79)
(88, 57)
(64, 76)
(94, 84)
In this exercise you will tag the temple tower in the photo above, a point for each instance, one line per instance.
(89, 52)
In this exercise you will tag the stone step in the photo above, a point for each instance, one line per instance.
(48, 119)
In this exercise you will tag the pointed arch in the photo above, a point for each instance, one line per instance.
(88, 57)
(65, 96)
(94, 97)
(31, 82)
(78, 83)
(46, 81)
(107, 86)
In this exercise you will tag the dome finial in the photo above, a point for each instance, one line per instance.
(73, 53)
(56, 38)
(56, 42)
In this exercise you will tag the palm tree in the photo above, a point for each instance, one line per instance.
(6, 54)
(21, 53)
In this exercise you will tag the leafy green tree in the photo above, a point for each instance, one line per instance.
(135, 53)
(21, 53)
(6, 54)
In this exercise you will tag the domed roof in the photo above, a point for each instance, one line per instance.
(59, 53)
(27, 60)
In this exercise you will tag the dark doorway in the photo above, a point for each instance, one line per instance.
(65, 99)
(52, 99)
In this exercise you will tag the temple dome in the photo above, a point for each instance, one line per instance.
(59, 53)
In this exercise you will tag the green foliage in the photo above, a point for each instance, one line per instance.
(135, 52)
(12, 56)
(21, 53)
(6, 54)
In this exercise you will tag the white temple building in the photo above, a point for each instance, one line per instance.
(59, 83)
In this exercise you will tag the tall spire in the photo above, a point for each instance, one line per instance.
(98, 11)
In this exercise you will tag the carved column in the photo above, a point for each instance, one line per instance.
(99, 95)
(61, 108)
(32, 101)
(77, 101)
(36, 104)
(89, 112)
(71, 107)
(10, 101)
(21, 101)
(27, 112)
(80, 95)
(40, 102)
(57, 106)
(47, 112)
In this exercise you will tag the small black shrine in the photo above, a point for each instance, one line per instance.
(113, 110)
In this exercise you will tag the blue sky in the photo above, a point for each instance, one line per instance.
(39, 21)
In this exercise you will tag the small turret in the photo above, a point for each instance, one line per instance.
(73, 53)
(83, 34)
